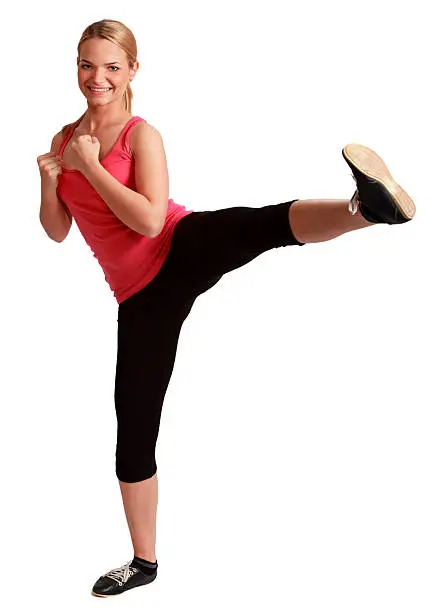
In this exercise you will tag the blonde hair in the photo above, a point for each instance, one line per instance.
(117, 33)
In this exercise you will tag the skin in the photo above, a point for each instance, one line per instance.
(107, 110)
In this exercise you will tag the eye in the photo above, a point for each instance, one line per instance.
(83, 66)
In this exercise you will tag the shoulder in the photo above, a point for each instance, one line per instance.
(58, 138)
(65, 129)
(143, 135)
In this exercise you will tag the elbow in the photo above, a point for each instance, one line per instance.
(157, 228)
(55, 236)
(148, 232)
(153, 227)
(151, 232)
(155, 233)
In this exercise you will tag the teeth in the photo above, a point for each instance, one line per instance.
(106, 89)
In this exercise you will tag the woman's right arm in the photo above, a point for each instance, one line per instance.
(53, 215)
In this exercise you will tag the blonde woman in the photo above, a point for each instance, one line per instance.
(108, 172)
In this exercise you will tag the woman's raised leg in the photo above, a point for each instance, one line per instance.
(321, 220)
(216, 242)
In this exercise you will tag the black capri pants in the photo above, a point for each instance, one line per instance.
(205, 246)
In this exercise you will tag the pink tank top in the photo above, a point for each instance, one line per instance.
(129, 260)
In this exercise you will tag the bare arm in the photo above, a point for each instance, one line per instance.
(53, 215)
(131, 207)
(144, 209)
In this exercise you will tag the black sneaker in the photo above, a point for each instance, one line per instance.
(121, 579)
(378, 197)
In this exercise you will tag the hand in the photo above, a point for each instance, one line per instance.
(50, 167)
(83, 153)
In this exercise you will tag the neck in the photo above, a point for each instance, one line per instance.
(98, 119)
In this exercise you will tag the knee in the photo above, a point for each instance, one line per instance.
(129, 469)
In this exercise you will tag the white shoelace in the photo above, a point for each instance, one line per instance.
(354, 202)
(121, 574)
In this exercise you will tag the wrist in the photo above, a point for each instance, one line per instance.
(49, 185)
(91, 167)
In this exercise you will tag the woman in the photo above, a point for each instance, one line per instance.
(108, 171)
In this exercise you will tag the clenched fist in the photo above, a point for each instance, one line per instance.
(50, 167)
(83, 153)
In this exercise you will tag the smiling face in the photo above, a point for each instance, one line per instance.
(102, 64)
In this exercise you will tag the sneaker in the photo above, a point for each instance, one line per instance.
(121, 579)
(378, 197)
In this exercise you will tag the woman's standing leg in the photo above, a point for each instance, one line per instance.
(149, 325)
(140, 501)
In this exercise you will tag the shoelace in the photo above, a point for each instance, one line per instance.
(354, 202)
(121, 574)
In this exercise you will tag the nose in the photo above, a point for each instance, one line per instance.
(100, 77)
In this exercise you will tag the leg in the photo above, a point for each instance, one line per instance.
(140, 501)
(149, 325)
(215, 242)
(321, 220)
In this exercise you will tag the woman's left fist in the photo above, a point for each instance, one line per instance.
(84, 152)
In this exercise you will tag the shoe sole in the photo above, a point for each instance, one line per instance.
(368, 162)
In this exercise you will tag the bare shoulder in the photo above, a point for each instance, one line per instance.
(66, 128)
(142, 134)
(56, 142)
(58, 138)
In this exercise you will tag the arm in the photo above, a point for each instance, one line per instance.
(143, 210)
(53, 216)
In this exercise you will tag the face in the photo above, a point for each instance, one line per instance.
(105, 66)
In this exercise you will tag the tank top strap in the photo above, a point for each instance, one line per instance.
(67, 136)
(126, 133)
(65, 140)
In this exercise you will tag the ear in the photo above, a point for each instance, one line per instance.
(133, 70)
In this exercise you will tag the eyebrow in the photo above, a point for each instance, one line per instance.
(88, 62)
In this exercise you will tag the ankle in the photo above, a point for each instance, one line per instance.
(151, 557)
(361, 221)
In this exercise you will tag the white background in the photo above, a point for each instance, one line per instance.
(293, 448)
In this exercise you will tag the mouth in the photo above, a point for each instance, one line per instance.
(99, 92)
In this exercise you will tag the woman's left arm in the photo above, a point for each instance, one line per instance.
(143, 210)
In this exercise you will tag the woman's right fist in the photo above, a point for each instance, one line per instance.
(50, 166)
